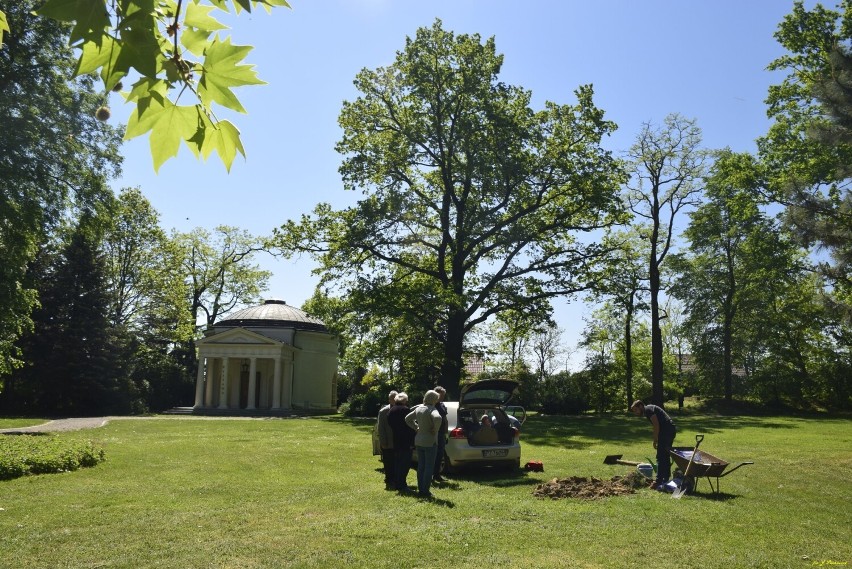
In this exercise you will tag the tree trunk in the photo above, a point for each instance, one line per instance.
(727, 327)
(727, 335)
(682, 394)
(628, 353)
(656, 332)
(451, 368)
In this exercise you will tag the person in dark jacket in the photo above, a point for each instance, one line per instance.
(386, 440)
(403, 441)
(664, 434)
(442, 434)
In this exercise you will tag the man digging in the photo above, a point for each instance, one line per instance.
(664, 434)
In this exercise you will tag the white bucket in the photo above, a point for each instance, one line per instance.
(646, 470)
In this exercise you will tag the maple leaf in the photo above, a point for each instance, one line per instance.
(198, 16)
(168, 123)
(221, 71)
(224, 138)
(90, 18)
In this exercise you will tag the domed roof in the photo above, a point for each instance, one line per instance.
(273, 313)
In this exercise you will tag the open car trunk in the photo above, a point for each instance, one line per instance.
(487, 397)
(500, 434)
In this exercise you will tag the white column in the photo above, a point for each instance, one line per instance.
(252, 390)
(208, 391)
(288, 385)
(199, 385)
(276, 384)
(223, 385)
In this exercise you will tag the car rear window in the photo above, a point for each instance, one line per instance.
(486, 396)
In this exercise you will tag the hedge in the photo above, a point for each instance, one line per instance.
(21, 455)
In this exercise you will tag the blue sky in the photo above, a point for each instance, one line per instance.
(704, 59)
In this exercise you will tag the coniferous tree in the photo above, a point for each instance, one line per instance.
(807, 152)
(74, 354)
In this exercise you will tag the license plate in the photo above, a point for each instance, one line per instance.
(493, 453)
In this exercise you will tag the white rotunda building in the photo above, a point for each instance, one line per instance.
(271, 358)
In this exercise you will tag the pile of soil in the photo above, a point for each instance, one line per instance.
(590, 488)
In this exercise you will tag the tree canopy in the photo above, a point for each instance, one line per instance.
(667, 165)
(807, 152)
(53, 153)
(473, 200)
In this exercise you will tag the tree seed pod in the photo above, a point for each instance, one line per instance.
(102, 114)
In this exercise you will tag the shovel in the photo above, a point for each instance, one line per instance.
(616, 459)
(681, 488)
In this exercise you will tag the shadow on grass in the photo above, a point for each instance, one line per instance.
(436, 500)
(713, 496)
(584, 431)
(580, 432)
(494, 478)
(364, 424)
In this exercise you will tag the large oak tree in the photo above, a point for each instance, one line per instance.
(468, 192)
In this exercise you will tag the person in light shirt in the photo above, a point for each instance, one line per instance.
(426, 420)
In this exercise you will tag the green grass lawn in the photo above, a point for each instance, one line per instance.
(18, 422)
(190, 492)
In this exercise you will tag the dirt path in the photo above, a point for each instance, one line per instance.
(80, 423)
(74, 424)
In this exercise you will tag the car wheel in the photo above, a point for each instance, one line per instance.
(512, 466)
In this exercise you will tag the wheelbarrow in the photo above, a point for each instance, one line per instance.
(703, 464)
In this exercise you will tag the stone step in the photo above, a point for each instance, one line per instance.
(216, 412)
(178, 411)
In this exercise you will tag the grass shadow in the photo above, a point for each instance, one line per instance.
(438, 501)
(364, 424)
(580, 432)
(713, 496)
(496, 478)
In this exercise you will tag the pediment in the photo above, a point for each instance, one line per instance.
(238, 336)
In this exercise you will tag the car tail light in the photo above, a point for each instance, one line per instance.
(458, 433)
(517, 432)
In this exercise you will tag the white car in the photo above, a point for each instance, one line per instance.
(472, 443)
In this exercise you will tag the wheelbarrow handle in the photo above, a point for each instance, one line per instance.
(734, 468)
